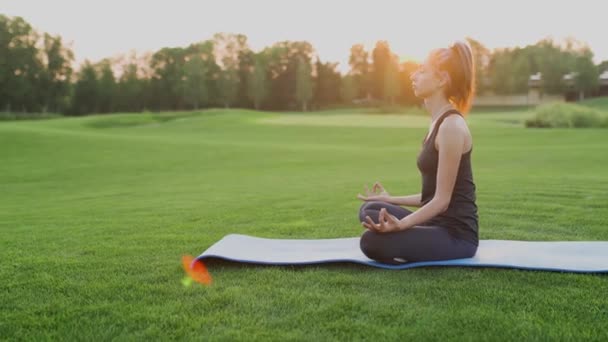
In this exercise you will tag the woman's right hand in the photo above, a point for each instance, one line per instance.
(378, 193)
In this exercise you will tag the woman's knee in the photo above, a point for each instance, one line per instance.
(364, 210)
(372, 213)
(470, 251)
(364, 206)
(373, 247)
(373, 205)
(370, 244)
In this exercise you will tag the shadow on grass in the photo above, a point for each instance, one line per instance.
(218, 263)
(349, 267)
(222, 263)
(141, 119)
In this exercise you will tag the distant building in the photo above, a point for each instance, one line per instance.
(571, 94)
(603, 87)
(535, 86)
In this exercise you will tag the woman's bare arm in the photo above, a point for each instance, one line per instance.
(410, 200)
(451, 141)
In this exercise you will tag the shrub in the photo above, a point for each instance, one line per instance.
(585, 119)
(567, 115)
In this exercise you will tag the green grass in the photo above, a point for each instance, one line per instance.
(97, 212)
(597, 102)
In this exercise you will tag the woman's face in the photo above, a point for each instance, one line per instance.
(425, 80)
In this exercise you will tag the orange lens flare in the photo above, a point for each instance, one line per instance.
(196, 270)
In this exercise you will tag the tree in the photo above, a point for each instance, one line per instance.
(86, 91)
(510, 71)
(133, 84)
(499, 71)
(360, 69)
(6, 71)
(348, 90)
(391, 80)
(381, 57)
(245, 73)
(199, 71)
(552, 62)
(168, 79)
(20, 67)
(481, 58)
(106, 86)
(257, 85)
(520, 72)
(56, 73)
(586, 79)
(228, 86)
(282, 60)
(195, 90)
(326, 83)
(303, 83)
(228, 48)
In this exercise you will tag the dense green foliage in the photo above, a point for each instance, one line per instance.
(36, 75)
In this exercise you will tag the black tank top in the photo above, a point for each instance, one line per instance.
(461, 216)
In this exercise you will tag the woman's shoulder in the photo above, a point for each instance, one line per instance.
(452, 130)
(453, 123)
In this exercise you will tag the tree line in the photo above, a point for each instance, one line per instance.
(37, 74)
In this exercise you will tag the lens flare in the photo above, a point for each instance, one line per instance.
(196, 270)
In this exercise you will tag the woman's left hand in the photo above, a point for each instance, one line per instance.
(386, 223)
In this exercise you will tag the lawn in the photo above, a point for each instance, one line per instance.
(96, 213)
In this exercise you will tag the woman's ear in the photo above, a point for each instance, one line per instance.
(445, 79)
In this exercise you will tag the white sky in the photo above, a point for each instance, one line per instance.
(98, 29)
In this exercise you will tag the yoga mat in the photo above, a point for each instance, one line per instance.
(562, 256)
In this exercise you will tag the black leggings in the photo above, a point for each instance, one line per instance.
(418, 243)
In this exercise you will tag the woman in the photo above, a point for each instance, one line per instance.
(445, 226)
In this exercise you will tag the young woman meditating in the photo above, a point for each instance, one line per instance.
(446, 225)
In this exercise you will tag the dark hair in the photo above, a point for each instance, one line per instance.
(457, 61)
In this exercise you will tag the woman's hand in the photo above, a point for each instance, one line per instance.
(378, 193)
(386, 223)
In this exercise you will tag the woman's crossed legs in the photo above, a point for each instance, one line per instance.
(418, 243)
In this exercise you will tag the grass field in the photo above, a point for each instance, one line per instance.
(96, 213)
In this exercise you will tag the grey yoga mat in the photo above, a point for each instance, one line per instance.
(563, 256)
